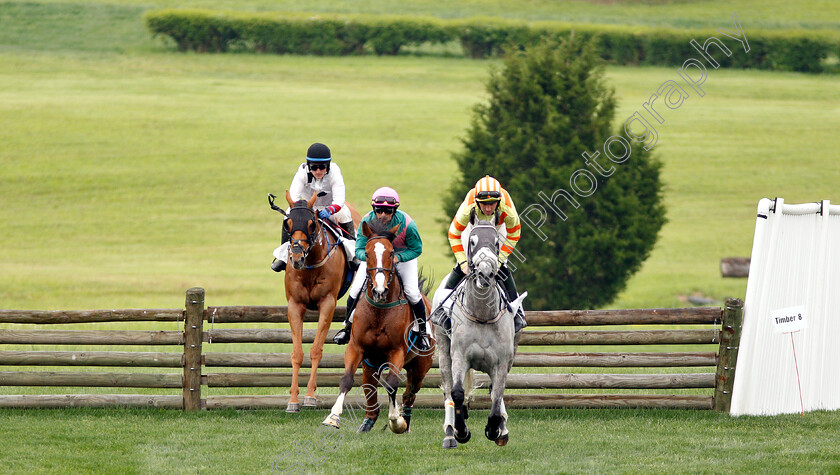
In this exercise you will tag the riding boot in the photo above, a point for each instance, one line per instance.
(348, 228)
(455, 278)
(419, 339)
(510, 289)
(342, 337)
(350, 235)
(279, 265)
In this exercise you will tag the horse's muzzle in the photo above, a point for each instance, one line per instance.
(379, 297)
(486, 274)
(298, 262)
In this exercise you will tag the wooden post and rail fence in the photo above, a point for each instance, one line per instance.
(719, 331)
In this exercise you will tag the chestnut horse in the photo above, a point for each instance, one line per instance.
(313, 281)
(380, 337)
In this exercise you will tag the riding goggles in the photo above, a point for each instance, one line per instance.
(384, 209)
(317, 166)
(488, 196)
(385, 201)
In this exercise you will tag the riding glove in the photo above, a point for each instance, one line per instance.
(329, 210)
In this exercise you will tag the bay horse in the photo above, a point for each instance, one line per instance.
(380, 337)
(313, 281)
(481, 337)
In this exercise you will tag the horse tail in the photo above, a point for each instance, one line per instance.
(426, 283)
(469, 385)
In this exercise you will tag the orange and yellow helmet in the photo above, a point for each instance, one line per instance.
(488, 190)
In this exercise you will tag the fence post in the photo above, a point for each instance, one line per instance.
(193, 323)
(730, 340)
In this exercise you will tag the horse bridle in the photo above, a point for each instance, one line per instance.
(295, 244)
(470, 253)
(391, 270)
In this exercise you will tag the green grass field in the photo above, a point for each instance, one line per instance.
(570, 441)
(129, 173)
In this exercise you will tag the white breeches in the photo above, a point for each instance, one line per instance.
(343, 215)
(407, 272)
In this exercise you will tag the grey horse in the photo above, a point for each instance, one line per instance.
(478, 336)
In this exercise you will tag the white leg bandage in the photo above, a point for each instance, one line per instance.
(449, 417)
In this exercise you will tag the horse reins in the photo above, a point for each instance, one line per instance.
(474, 275)
(295, 243)
(469, 316)
(391, 272)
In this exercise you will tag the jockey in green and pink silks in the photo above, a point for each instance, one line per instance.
(407, 245)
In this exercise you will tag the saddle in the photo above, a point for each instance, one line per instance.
(442, 316)
(341, 235)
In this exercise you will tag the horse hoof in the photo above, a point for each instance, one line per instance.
(332, 421)
(366, 426)
(463, 438)
(503, 440)
(293, 407)
(449, 443)
(398, 426)
(309, 402)
(493, 429)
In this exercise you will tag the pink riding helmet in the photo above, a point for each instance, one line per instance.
(385, 196)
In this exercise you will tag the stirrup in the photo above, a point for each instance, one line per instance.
(342, 337)
(420, 341)
(438, 317)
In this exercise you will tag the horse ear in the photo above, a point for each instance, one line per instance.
(394, 229)
(366, 230)
(472, 216)
(289, 198)
(312, 200)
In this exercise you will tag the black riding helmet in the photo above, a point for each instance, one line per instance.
(318, 154)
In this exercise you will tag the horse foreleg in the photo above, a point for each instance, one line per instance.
(416, 371)
(496, 429)
(296, 311)
(352, 358)
(445, 364)
(325, 309)
(396, 422)
(369, 385)
(459, 373)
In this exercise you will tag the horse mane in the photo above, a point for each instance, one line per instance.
(381, 230)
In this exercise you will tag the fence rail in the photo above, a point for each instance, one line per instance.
(722, 329)
(529, 338)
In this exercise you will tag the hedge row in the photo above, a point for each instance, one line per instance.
(787, 50)
(208, 31)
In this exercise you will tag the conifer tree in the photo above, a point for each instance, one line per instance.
(548, 105)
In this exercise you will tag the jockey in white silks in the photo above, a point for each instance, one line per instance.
(322, 177)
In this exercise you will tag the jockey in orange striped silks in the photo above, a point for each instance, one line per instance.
(490, 202)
